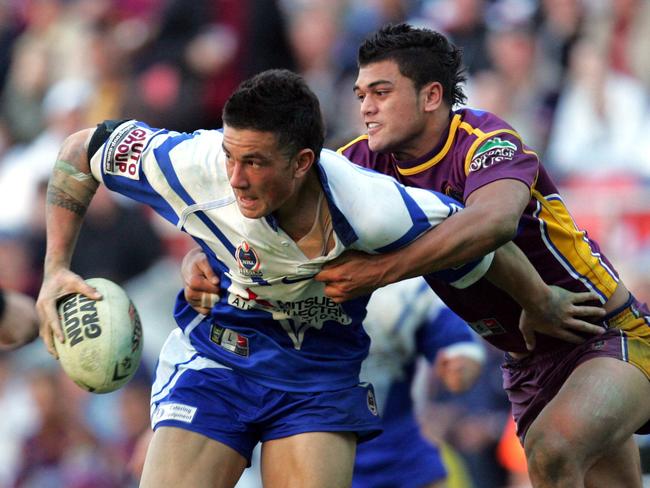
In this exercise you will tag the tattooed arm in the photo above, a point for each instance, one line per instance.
(69, 192)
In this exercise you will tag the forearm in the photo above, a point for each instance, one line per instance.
(489, 220)
(69, 193)
(464, 237)
(513, 273)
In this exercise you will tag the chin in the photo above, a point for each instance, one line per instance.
(376, 145)
(250, 213)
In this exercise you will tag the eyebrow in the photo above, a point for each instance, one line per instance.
(373, 84)
(251, 155)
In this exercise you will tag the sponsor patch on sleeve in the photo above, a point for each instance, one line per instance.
(124, 150)
(491, 152)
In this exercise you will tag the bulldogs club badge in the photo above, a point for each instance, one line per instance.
(248, 260)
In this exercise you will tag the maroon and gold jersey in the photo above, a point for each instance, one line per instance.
(479, 148)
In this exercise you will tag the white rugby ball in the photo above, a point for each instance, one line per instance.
(103, 338)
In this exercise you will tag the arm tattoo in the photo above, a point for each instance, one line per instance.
(58, 198)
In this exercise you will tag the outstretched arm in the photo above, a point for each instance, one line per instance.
(488, 223)
(69, 193)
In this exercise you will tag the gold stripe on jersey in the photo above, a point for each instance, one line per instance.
(352, 142)
(482, 136)
(570, 247)
(455, 123)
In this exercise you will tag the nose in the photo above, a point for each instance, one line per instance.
(367, 106)
(237, 176)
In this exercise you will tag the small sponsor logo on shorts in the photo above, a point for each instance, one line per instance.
(487, 327)
(174, 411)
(230, 340)
(598, 345)
(371, 401)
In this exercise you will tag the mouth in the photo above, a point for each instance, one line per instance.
(372, 127)
(246, 201)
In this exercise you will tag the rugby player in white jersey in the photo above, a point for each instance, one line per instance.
(275, 361)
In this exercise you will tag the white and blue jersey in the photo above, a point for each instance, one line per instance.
(405, 321)
(273, 323)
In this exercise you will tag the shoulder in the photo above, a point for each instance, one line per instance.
(491, 139)
(358, 151)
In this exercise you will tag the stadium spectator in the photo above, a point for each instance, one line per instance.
(593, 99)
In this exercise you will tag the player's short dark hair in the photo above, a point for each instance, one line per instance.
(423, 55)
(278, 101)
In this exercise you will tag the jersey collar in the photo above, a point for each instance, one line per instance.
(409, 168)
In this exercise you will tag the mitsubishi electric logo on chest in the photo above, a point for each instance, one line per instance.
(248, 261)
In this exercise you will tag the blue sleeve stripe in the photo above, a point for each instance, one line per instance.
(418, 217)
(141, 191)
(164, 162)
(161, 154)
(453, 204)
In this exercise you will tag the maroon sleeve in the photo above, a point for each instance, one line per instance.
(497, 157)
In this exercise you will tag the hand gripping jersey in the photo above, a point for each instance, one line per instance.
(273, 322)
(405, 321)
(477, 149)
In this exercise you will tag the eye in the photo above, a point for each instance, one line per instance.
(360, 96)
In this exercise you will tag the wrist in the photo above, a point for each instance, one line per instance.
(391, 270)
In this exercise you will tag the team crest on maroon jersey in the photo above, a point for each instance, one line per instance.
(493, 151)
(248, 260)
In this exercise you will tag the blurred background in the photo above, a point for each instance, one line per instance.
(572, 76)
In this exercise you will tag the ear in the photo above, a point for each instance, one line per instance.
(303, 162)
(432, 93)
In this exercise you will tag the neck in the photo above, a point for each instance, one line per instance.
(426, 139)
(296, 217)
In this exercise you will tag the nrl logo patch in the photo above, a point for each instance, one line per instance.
(248, 260)
(491, 152)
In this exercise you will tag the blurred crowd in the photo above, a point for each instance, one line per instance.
(571, 76)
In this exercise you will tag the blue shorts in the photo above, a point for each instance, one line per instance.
(195, 393)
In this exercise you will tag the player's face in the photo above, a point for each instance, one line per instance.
(392, 110)
(262, 178)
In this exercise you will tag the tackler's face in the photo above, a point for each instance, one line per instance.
(390, 107)
(263, 179)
